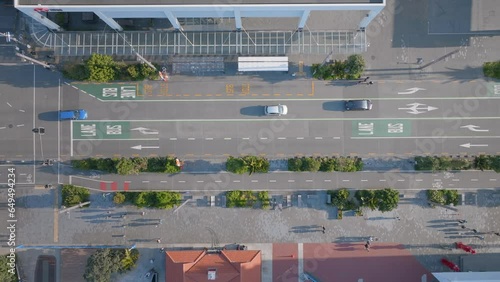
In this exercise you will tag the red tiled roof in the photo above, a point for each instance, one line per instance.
(230, 266)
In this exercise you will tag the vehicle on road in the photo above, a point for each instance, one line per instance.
(73, 114)
(276, 110)
(358, 105)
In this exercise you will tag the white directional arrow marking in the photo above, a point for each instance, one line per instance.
(140, 147)
(468, 145)
(410, 91)
(417, 108)
(144, 130)
(474, 128)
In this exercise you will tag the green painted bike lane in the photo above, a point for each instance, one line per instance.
(381, 128)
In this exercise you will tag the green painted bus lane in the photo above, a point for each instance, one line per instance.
(87, 130)
(381, 128)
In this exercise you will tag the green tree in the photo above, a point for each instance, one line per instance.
(101, 265)
(119, 198)
(366, 198)
(236, 165)
(295, 164)
(263, 197)
(328, 164)
(101, 68)
(5, 275)
(339, 198)
(74, 195)
(126, 166)
(133, 72)
(482, 162)
(355, 65)
(435, 196)
(426, 163)
(129, 260)
(495, 163)
(387, 199)
(310, 164)
(492, 69)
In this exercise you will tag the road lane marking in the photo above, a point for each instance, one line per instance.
(208, 138)
(191, 138)
(163, 181)
(382, 180)
(309, 180)
(255, 181)
(227, 138)
(328, 180)
(145, 181)
(173, 139)
(200, 181)
(493, 179)
(263, 138)
(236, 181)
(455, 180)
(281, 138)
(473, 180)
(346, 180)
(318, 138)
(364, 180)
(400, 180)
(291, 180)
(218, 181)
(418, 180)
(300, 138)
(437, 180)
(272, 181)
(432, 137)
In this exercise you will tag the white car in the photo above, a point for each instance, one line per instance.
(276, 110)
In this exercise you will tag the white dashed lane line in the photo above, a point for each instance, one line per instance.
(263, 138)
(255, 181)
(200, 181)
(493, 179)
(455, 180)
(300, 138)
(473, 180)
(246, 138)
(401, 180)
(145, 181)
(227, 138)
(364, 180)
(218, 181)
(318, 138)
(182, 181)
(309, 180)
(209, 139)
(418, 180)
(382, 180)
(281, 138)
(346, 180)
(273, 181)
(191, 139)
(163, 181)
(172, 139)
(291, 180)
(9, 104)
(328, 180)
(236, 181)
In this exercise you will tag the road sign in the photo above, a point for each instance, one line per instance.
(410, 91)
(474, 128)
(381, 128)
(468, 145)
(417, 108)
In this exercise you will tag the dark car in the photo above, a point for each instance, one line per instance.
(358, 105)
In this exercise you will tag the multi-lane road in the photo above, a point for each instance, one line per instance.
(197, 119)
(201, 119)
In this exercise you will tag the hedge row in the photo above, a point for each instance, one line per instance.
(352, 68)
(383, 200)
(159, 200)
(435, 163)
(443, 197)
(126, 166)
(241, 199)
(247, 164)
(327, 164)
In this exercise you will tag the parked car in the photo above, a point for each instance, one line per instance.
(275, 110)
(73, 114)
(358, 105)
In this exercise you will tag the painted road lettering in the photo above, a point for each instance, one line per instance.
(381, 128)
(110, 91)
(101, 130)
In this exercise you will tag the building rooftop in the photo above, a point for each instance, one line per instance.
(188, 2)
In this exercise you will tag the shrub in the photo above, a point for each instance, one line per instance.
(352, 68)
(118, 198)
(125, 166)
(171, 166)
(74, 195)
(492, 69)
(354, 65)
(443, 196)
(101, 68)
(5, 274)
(435, 196)
(366, 198)
(387, 199)
(310, 164)
(426, 163)
(75, 72)
(105, 262)
(339, 198)
(482, 162)
(295, 164)
(160, 200)
(236, 165)
(263, 197)
(239, 198)
(495, 163)
(346, 164)
(328, 164)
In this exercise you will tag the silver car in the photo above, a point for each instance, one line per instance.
(276, 110)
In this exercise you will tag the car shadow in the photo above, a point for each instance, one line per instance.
(49, 116)
(252, 111)
(337, 106)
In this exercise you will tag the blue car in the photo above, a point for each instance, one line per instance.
(73, 114)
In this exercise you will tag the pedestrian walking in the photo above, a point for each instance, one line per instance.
(462, 221)
(474, 230)
(497, 233)
(368, 242)
(324, 229)
(370, 239)
(367, 247)
(398, 218)
(159, 241)
(370, 83)
(143, 213)
(366, 78)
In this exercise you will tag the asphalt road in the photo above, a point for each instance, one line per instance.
(408, 118)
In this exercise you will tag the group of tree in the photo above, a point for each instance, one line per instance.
(242, 199)
(106, 262)
(247, 164)
(352, 68)
(102, 68)
(127, 166)
(150, 199)
(326, 164)
(74, 195)
(383, 200)
(437, 163)
(443, 196)
(492, 69)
